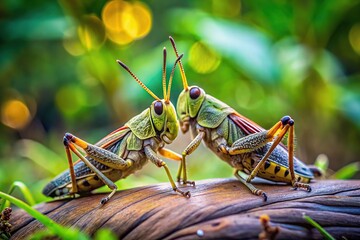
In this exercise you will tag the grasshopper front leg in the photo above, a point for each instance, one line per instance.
(193, 145)
(99, 154)
(151, 155)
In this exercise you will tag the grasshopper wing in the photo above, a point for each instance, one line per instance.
(245, 124)
(113, 137)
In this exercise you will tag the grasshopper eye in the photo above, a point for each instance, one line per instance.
(158, 107)
(195, 93)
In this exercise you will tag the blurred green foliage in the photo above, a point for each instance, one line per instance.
(266, 59)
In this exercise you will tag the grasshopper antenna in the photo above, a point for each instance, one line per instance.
(171, 77)
(182, 72)
(164, 74)
(138, 80)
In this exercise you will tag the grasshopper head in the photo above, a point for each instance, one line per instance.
(164, 119)
(188, 105)
(190, 99)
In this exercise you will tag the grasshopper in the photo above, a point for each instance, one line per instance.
(240, 142)
(123, 151)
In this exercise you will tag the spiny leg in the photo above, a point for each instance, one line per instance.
(74, 188)
(247, 144)
(99, 154)
(251, 187)
(179, 172)
(96, 153)
(193, 145)
(151, 155)
(254, 141)
(294, 183)
(107, 181)
(279, 130)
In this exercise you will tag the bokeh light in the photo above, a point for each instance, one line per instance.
(15, 114)
(125, 22)
(143, 16)
(203, 59)
(70, 99)
(354, 37)
(72, 43)
(249, 96)
(91, 32)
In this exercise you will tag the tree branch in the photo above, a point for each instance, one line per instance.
(218, 208)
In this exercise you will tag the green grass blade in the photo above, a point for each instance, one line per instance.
(62, 232)
(319, 228)
(23, 189)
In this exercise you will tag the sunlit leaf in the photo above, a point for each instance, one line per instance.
(348, 171)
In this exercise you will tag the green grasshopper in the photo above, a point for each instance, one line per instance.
(240, 142)
(123, 151)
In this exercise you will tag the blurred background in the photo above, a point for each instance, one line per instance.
(266, 59)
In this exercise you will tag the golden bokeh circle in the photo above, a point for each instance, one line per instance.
(125, 22)
(15, 114)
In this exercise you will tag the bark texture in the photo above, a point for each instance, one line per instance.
(217, 209)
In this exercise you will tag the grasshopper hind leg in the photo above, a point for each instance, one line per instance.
(251, 187)
(70, 141)
(277, 132)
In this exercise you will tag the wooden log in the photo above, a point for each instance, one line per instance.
(217, 209)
